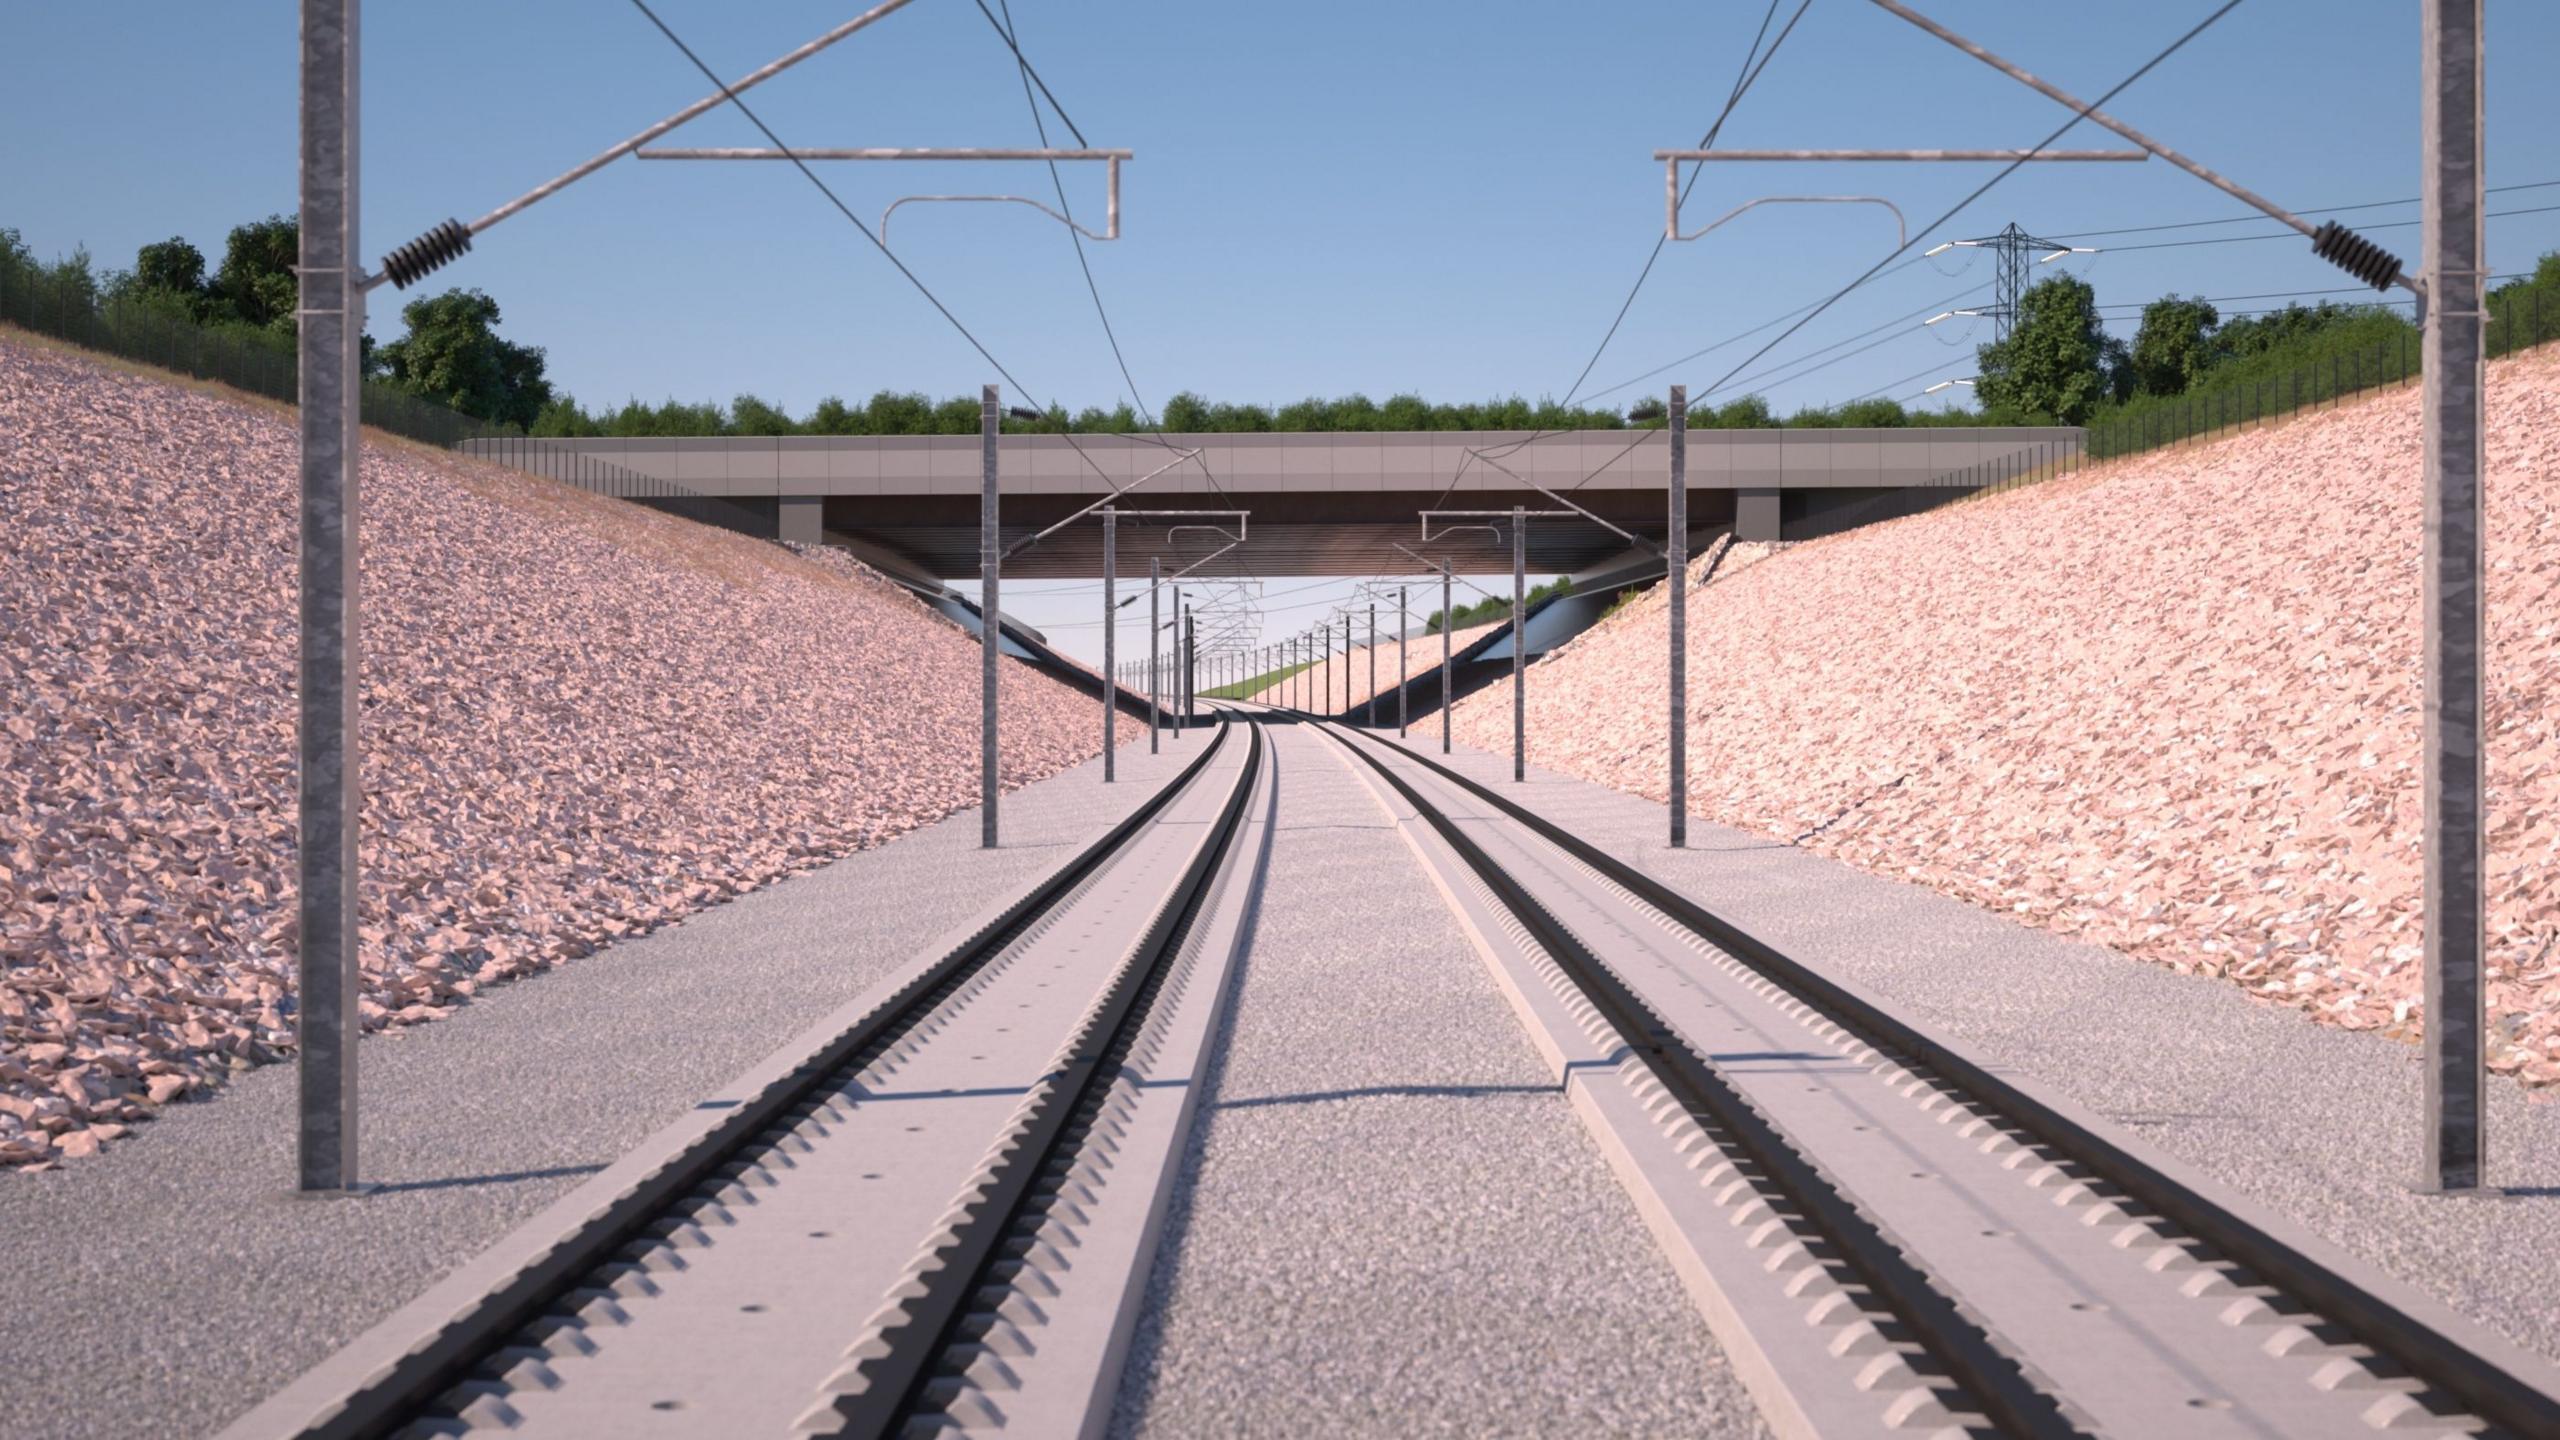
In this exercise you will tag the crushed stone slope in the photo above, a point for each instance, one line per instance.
(581, 719)
(2170, 706)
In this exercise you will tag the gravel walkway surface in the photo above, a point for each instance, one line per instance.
(168, 1284)
(2318, 1122)
(1390, 1222)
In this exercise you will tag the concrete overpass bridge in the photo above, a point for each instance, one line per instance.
(1323, 503)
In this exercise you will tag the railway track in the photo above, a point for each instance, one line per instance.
(1891, 1239)
(936, 1213)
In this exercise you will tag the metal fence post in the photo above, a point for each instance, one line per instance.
(1155, 625)
(1110, 638)
(1519, 644)
(990, 561)
(331, 319)
(1676, 559)
(1404, 672)
(2452, 900)
(1448, 693)
(1373, 665)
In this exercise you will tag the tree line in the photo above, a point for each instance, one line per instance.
(451, 354)
(2059, 365)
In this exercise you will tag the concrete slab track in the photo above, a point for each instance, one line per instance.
(174, 1281)
(1390, 1222)
(1389, 1219)
(2320, 1123)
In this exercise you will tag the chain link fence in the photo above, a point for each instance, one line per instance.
(2517, 320)
(243, 360)
(603, 477)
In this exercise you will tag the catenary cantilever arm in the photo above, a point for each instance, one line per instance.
(1671, 219)
(445, 246)
(1621, 532)
(1020, 545)
(2056, 94)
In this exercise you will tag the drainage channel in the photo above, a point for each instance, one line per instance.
(1942, 1231)
(752, 1272)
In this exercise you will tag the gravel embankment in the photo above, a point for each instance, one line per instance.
(2169, 706)
(1322, 683)
(581, 720)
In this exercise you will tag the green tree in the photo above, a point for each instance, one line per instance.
(1306, 415)
(2174, 346)
(453, 355)
(167, 278)
(256, 285)
(561, 419)
(1876, 413)
(1748, 413)
(834, 417)
(891, 413)
(2053, 363)
(1094, 420)
(2115, 359)
(751, 416)
(2250, 335)
(1186, 413)
(639, 420)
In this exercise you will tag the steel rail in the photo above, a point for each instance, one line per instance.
(938, 1319)
(2485, 1388)
(394, 1396)
(1989, 1380)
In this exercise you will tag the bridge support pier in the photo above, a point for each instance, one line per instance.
(802, 519)
(1755, 513)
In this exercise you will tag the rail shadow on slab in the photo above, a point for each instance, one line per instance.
(1367, 1092)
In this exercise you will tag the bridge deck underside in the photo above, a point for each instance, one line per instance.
(1290, 534)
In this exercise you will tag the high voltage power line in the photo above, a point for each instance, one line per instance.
(1742, 335)
(1886, 266)
(2315, 210)
(1985, 187)
(2286, 234)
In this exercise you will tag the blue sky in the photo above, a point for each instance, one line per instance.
(1328, 196)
